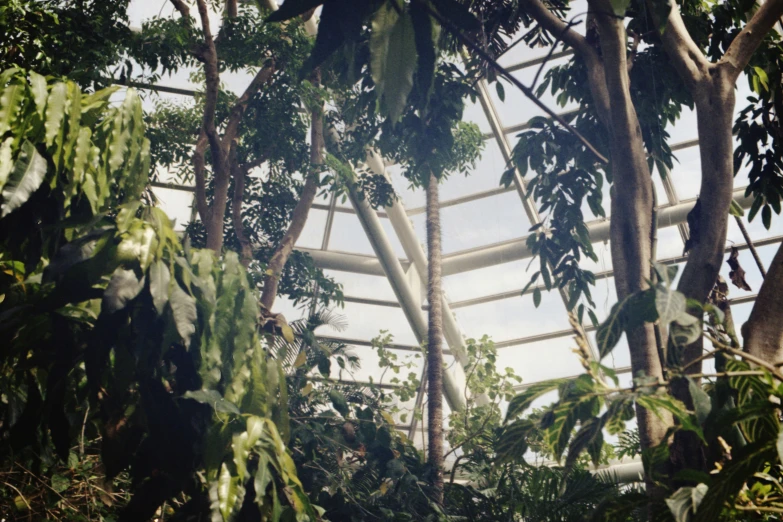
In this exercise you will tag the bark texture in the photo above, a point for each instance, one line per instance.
(434, 340)
(763, 332)
(299, 217)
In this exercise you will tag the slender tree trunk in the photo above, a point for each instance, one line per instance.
(299, 217)
(764, 330)
(632, 211)
(434, 340)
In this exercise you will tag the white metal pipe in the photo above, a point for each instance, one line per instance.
(454, 377)
(498, 253)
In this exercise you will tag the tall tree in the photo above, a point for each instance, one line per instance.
(434, 340)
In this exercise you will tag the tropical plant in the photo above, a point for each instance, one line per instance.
(113, 324)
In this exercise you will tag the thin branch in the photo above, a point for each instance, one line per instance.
(558, 38)
(246, 251)
(238, 110)
(500, 69)
(751, 246)
(212, 75)
(745, 44)
(744, 355)
(454, 468)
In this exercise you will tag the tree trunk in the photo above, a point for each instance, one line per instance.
(434, 341)
(714, 114)
(632, 211)
(299, 217)
(764, 330)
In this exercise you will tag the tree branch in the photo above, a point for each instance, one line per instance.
(745, 44)
(201, 181)
(182, 7)
(212, 75)
(687, 58)
(262, 76)
(511, 78)
(301, 211)
(232, 9)
(239, 173)
(559, 29)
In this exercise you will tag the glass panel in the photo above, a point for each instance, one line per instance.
(313, 232)
(485, 176)
(513, 318)
(366, 322)
(542, 360)
(686, 174)
(176, 204)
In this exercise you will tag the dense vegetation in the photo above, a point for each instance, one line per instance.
(146, 375)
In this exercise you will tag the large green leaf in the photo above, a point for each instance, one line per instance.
(55, 112)
(670, 304)
(6, 160)
(183, 308)
(123, 287)
(426, 38)
(393, 61)
(685, 502)
(28, 174)
(214, 399)
(11, 100)
(512, 440)
(160, 278)
(524, 399)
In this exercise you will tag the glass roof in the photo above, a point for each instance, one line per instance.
(478, 213)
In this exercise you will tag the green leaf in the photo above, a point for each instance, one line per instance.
(39, 91)
(11, 100)
(6, 163)
(263, 478)
(512, 441)
(339, 402)
(55, 112)
(660, 402)
(702, 404)
(426, 34)
(500, 90)
(685, 502)
(183, 308)
(159, 285)
(28, 174)
(522, 401)
(60, 483)
(123, 287)
(229, 493)
(762, 76)
(779, 445)
(214, 399)
(610, 331)
(536, 296)
(735, 209)
(669, 304)
(393, 61)
(766, 216)
(588, 435)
